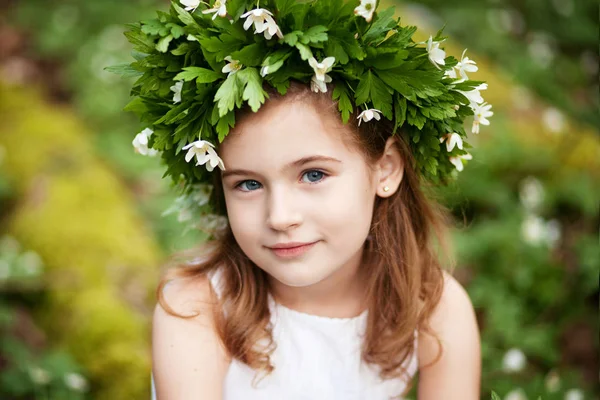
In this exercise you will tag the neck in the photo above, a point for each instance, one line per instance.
(340, 295)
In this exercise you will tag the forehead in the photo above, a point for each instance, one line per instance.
(283, 133)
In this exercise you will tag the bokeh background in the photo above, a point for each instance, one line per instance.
(83, 227)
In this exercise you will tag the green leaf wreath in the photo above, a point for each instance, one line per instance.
(200, 62)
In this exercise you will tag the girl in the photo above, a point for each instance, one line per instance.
(325, 282)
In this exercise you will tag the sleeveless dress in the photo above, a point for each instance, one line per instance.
(317, 358)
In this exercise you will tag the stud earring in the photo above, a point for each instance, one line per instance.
(386, 189)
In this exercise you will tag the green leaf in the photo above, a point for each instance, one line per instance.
(340, 93)
(335, 49)
(397, 82)
(383, 22)
(495, 396)
(137, 106)
(184, 16)
(314, 34)
(163, 44)
(154, 27)
(228, 94)
(125, 70)
(292, 37)
(305, 52)
(182, 49)
(140, 41)
(399, 111)
(250, 55)
(253, 93)
(202, 75)
(226, 122)
(372, 88)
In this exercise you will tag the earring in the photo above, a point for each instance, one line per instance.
(386, 189)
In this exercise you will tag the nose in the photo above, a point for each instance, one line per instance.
(282, 212)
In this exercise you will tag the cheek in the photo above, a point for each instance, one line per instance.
(243, 220)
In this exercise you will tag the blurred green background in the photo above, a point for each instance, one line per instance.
(83, 231)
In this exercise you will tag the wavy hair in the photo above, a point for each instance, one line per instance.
(405, 280)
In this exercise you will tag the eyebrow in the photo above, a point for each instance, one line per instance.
(294, 164)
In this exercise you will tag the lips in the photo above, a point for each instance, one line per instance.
(292, 249)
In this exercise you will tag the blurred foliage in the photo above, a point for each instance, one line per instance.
(550, 46)
(101, 264)
(530, 256)
(529, 251)
(30, 370)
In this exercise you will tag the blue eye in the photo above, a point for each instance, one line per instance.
(313, 176)
(249, 186)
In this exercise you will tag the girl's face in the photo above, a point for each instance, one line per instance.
(299, 198)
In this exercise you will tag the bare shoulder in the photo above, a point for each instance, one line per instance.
(455, 325)
(189, 360)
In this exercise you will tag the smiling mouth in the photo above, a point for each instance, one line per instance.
(292, 251)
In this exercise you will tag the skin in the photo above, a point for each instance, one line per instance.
(276, 192)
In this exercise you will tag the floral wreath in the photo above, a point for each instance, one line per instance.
(200, 62)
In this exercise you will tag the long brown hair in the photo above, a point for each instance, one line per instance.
(405, 278)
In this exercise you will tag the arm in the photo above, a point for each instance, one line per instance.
(189, 361)
(456, 375)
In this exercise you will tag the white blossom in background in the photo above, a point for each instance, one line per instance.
(517, 394)
(75, 382)
(232, 66)
(218, 8)
(140, 143)
(553, 120)
(366, 9)
(521, 98)
(552, 382)
(531, 193)
(574, 394)
(436, 55)
(465, 65)
(513, 361)
(319, 86)
(263, 23)
(368, 115)
(32, 262)
(39, 376)
(451, 73)
(481, 113)
(176, 89)
(190, 5)
(452, 139)
(536, 231)
(204, 153)
(457, 161)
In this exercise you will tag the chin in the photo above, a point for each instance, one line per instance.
(297, 275)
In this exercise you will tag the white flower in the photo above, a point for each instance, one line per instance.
(514, 361)
(76, 382)
(39, 376)
(321, 68)
(452, 139)
(190, 5)
(531, 193)
(517, 394)
(574, 394)
(451, 73)
(319, 86)
(140, 143)
(368, 115)
(204, 153)
(263, 22)
(366, 9)
(533, 230)
(465, 65)
(553, 120)
(176, 89)
(218, 8)
(436, 55)
(481, 112)
(233, 66)
(458, 161)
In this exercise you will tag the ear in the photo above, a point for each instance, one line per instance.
(390, 170)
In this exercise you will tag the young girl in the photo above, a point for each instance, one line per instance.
(325, 283)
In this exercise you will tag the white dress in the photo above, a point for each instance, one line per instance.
(317, 358)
